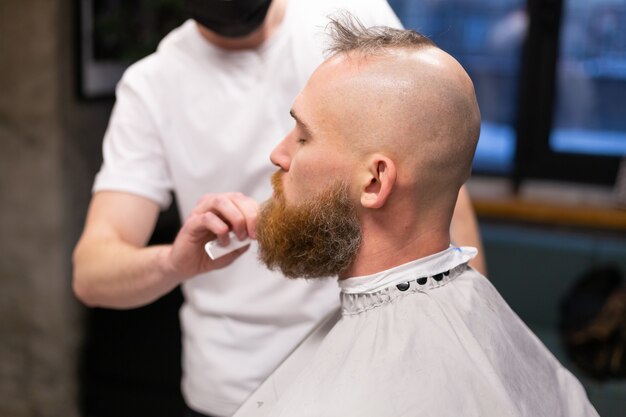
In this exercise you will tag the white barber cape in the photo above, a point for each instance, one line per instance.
(428, 338)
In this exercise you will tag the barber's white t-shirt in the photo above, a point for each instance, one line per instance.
(194, 119)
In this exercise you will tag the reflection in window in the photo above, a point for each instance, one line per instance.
(591, 90)
(486, 38)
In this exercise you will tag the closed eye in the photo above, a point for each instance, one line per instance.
(301, 127)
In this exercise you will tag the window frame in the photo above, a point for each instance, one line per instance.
(534, 157)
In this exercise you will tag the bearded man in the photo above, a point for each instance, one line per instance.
(385, 132)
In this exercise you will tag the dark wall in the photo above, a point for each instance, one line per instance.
(129, 360)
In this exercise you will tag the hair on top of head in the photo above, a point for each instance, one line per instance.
(348, 34)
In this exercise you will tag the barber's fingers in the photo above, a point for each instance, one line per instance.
(187, 257)
(205, 226)
(235, 209)
(250, 210)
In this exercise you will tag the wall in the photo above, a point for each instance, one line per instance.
(533, 268)
(49, 146)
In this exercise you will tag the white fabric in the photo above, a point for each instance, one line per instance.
(448, 347)
(261, 402)
(194, 119)
(440, 262)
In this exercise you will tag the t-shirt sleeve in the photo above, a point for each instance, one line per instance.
(133, 157)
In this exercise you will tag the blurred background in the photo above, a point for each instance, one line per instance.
(549, 188)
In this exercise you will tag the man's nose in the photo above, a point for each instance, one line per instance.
(280, 155)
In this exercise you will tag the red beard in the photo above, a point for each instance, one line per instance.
(317, 238)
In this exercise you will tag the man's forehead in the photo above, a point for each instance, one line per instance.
(319, 112)
(346, 75)
(325, 81)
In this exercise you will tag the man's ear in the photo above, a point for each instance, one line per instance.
(379, 182)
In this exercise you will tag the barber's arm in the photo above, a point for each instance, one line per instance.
(465, 232)
(114, 268)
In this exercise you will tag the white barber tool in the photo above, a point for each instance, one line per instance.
(215, 250)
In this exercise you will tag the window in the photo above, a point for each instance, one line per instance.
(550, 79)
(591, 80)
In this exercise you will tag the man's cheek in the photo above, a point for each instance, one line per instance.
(292, 191)
(296, 186)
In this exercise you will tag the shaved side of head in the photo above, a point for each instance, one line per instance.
(402, 95)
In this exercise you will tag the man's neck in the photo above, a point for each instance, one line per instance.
(384, 248)
(272, 22)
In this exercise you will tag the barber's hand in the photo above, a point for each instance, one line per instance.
(213, 218)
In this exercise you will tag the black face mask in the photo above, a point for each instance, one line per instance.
(229, 18)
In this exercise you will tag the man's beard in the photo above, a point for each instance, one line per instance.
(315, 239)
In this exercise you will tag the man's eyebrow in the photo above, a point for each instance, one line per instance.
(300, 122)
